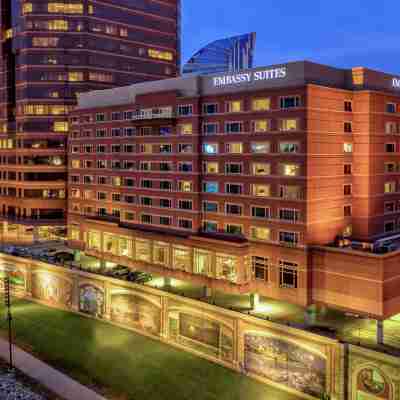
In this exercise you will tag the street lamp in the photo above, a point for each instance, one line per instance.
(7, 302)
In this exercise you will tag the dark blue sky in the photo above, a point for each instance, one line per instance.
(343, 33)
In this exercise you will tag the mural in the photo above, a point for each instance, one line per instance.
(15, 273)
(285, 363)
(206, 336)
(91, 301)
(371, 385)
(51, 288)
(137, 312)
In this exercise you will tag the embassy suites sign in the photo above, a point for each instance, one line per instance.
(396, 83)
(249, 77)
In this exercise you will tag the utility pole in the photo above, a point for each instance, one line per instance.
(7, 300)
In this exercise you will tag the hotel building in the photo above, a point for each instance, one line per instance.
(52, 51)
(281, 181)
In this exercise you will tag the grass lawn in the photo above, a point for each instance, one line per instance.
(125, 365)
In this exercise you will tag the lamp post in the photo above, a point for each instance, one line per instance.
(7, 302)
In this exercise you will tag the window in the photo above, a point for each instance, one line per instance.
(146, 201)
(186, 129)
(146, 184)
(390, 187)
(210, 206)
(165, 220)
(165, 148)
(347, 169)
(347, 211)
(289, 147)
(391, 128)
(260, 233)
(288, 125)
(165, 203)
(287, 237)
(290, 102)
(260, 268)
(233, 229)
(45, 42)
(27, 8)
(390, 167)
(210, 226)
(181, 258)
(233, 188)
(260, 212)
(202, 262)
(233, 168)
(261, 169)
(185, 186)
(348, 127)
(211, 108)
(185, 204)
(261, 190)
(57, 25)
(347, 190)
(210, 167)
(233, 127)
(233, 106)
(260, 147)
(390, 147)
(389, 226)
(166, 185)
(160, 55)
(210, 187)
(185, 166)
(210, 128)
(289, 169)
(348, 147)
(288, 214)
(288, 275)
(129, 216)
(116, 197)
(60, 126)
(146, 219)
(391, 108)
(262, 125)
(210, 148)
(185, 148)
(185, 223)
(100, 117)
(348, 106)
(101, 196)
(233, 209)
(185, 110)
(261, 104)
(64, 8)
(234, 148)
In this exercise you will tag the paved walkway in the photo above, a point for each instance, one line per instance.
(49, 377)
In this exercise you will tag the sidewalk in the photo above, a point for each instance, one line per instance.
(52, 379)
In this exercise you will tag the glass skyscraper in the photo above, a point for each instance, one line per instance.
(224, 55)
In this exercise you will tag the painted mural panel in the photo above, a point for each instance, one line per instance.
(371, 385)
(201, 334)
(52, 289)
(91, 300)
(286, 363)
(136, 311)
(15, 273)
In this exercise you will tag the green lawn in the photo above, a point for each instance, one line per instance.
(126, 365)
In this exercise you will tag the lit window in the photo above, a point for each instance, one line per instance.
(45, 42)
(226, 267)
(261, 190)
(210, 187)
(57, 25)
(75, 76)
(186, 129)
(390, 187)
(202, 262)
(210, 148)
(261, 104)
(288, 275)
(101, 77)
(234, 148)
(27, 8)
(260, 233)
(348, 147)
(185, 186)
(288, 147)
(290, 169)
(261, 169)
(160, 55)
(60, 126)
(288, 124)
(65, 8)
(260, 147)
(234, 106)
(262, 125)
(181, 257)
(210, 167)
